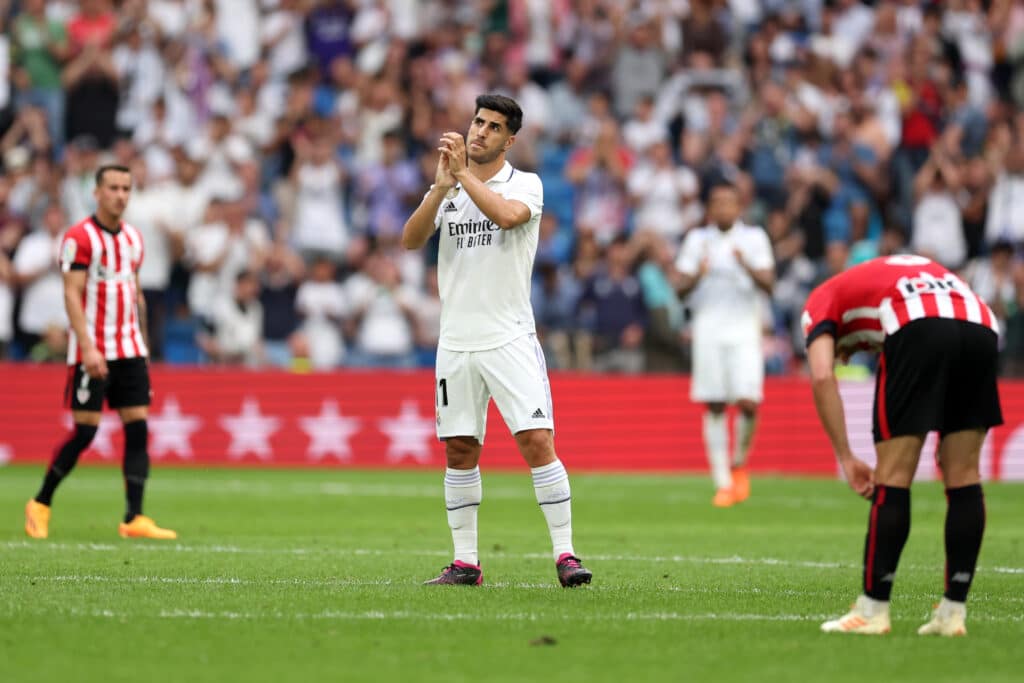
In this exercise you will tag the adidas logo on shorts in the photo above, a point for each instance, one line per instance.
(538, 414)
(450, 206)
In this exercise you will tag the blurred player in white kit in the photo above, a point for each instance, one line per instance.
(727, 268)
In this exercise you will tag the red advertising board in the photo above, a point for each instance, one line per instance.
(207, 416)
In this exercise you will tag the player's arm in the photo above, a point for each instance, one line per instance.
(821, 359)
(690, 267)
(505, 213)
(758, 262)
(420, 226)
(764, 278)
(686, 283)
(74, 292)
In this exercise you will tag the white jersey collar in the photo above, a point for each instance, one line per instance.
(732, 228)
(503, 175)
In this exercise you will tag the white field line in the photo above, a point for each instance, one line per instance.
(625, 491)
(369, 552)
(502, 492)
(334, 615)
(387, 583)
(210, 580)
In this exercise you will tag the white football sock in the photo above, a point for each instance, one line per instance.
(743, 434)
(551, 483)
(716, 442)
(463, 492)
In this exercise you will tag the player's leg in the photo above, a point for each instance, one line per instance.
(746, 382)
(129, 394)
(554, 495)
(959, 455)
(461, 403)
(516, 376)
(84, 396)
(888, 529)
(889, 518)
(972, 407)
(913, 371)
(709, 385)
(743, 435)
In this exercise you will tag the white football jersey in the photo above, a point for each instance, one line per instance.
(483, 272)
(726, 303)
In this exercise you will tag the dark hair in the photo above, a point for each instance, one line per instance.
(723, 184)
(503, 105)
(102, 170)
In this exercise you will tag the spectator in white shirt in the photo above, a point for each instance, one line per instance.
(321, 302)
(37, 274)
(383, 316)
(219, 250)
(994, 280)
(644, 130)
(664, 195)
(238, 31)
(318, 225)
(1005, 220)
(282, 38)
(938, 228)
(237, 325)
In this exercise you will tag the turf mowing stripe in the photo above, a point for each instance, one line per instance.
(387, 583)
(357, 552)
(331, 615)
(502, 492)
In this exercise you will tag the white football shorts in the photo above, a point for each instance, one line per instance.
(515, 375)
(727, 371)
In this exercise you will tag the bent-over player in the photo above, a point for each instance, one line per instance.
(936, 372)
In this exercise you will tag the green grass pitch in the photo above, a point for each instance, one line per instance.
(284, 575)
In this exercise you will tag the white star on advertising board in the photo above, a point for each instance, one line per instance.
(171, 430)
(250, 431)
(329, 432)
(410, 434)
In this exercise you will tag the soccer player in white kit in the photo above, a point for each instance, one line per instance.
(725, 267)
(488, 214)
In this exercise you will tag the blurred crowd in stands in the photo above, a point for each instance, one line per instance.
(277, 147)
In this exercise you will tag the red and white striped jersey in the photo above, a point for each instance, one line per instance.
(111, 260)
(862, 305)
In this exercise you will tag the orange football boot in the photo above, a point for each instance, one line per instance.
(740, 484)
(37, 519)
(144, 527)
(723, 498)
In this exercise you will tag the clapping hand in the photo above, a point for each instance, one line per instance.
(453, 147)
(443, 177)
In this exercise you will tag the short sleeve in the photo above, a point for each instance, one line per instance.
(528, 190)
(819, 316)
(688, 260)
(75, 251)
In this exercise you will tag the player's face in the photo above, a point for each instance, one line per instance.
(113, 191)
(488, 136)
(724, 206)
